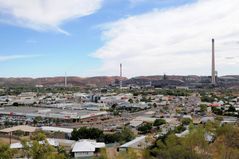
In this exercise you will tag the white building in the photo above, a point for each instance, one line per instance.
(86, 148)
(56, 129)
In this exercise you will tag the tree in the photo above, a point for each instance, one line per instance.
(188, 147)
(154, 105)
(203, 108)
(144, 129)
(179, 129)
(206, 98)
(112, 138)
(231, 109)
(93, 133)
(195, 140)
(62, 152)
(6, 152)
(86, 133)
(186, 121)
(159, 122)
(39, 148)
(37, 120)
(130, 100)
(217, 111)
(226, 145)
(126, 135)
(15, 104)
(74, 134)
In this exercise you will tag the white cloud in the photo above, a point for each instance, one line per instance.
(4, 58)
(45, 14)
(175, 40)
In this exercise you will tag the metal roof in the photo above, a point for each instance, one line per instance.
(56, 129)
(87, 146)
(24, 128)
(137, 139)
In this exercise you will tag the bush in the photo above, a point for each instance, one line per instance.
(180, 129)
(186, 121)
(159, 122)
(93, 133)
(144, 129)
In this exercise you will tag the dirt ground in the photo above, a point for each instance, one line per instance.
(5, 140)
(111, 153)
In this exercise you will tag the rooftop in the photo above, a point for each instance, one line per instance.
(49, 112)
(56, 129)
(137, 139)
(24, 128)
(87, 146)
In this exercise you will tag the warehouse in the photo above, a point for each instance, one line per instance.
(49, 113)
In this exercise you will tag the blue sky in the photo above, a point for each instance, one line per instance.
(93, 41)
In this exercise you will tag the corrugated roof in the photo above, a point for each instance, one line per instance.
(24, 128)
(87, 146)
(137, 139)
(56, 129)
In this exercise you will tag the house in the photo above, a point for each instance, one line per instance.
(137, 143)
(86, 148)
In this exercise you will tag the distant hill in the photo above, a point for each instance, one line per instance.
(99, 81)
(59, 81)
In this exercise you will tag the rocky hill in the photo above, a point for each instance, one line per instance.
(59, 81)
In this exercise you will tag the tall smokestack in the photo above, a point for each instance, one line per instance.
(65, 80)
(213, 63)
(121, 73)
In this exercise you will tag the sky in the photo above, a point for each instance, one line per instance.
(42, 38)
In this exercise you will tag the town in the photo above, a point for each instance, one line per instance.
(119, 79)
(111, 119)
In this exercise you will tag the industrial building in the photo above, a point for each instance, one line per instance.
(50, 113)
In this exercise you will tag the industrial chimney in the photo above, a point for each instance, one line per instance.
(121, 76)
(213, 64)
(65, 80)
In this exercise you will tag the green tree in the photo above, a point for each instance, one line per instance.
(74, 134)
(159, 122)
(217, 111)
(131, 100)
(173, 147)
(15, 104)
(179, 129)
(186, 121)
(226, 145)
(126, 135)
(203, 108)
(39, 148)
(37, 120)
(196, 140)
(86, 133)
(231, 109)
(144, 129)
(154, 105)
(6, 152)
